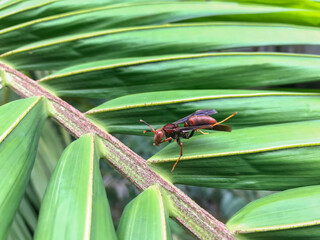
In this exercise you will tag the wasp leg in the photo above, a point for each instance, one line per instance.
(167, 139)
(181, 147)
(198, 130)
(191, 134)
(187, 135)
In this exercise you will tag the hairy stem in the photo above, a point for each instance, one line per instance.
(125, 161)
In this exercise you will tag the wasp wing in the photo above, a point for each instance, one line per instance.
(197, 113)
(219, 127)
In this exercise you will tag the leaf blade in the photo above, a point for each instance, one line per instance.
(23, 11)
(145, 217)
(254, 107)
(292, 212)
(76, 190)
(160, 39)
(115, 78)
(19, 133)
(138, 14)
(276, 160)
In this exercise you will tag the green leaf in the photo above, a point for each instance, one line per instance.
(75, 205)
(22, 11)
(231, 203)
(2, 91)
(154, 40)
(273, 157)
(145, 217)
(7, 95)
(291, 214)
(32, 197)
(51, 145)
(19, 229)
(302, 4)
(28, 213)
(136, 14)
(254, 107)
(119, 77)
(8, 3)
(270, 15)
(20, 126)
(24, 222)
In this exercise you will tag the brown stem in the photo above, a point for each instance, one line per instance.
(129, 164)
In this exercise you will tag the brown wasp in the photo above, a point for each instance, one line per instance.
(194, 122)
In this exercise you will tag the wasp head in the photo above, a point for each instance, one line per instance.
(158, 134)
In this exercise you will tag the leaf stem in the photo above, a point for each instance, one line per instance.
(195, 219)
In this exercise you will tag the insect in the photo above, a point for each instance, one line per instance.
(194, 122)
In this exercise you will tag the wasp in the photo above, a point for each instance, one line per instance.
(194, 122)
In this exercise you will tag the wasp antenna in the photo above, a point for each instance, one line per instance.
(225, 119)
(147, 125)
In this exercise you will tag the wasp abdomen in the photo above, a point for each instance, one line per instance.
(200, 120)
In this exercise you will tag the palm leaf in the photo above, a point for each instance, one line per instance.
(18, 11)
(273, 157)
(290, 214)
(75, 197)
(301, 4)
(154, 40)
(20, 127)
(145, 217)
(19, 230)
(119, 77)
(254, 108)
(129, 49)
(138, 14)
